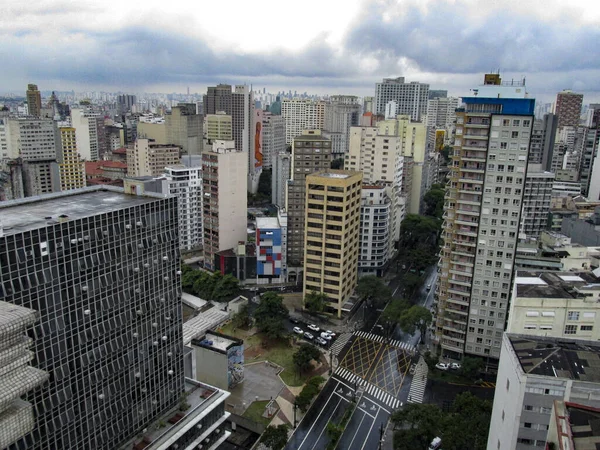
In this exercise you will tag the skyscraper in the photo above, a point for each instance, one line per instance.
(225, 200)
(89, 130)
(568, 108)
(70, 165)
(331, 241)
(34, 100)
(101, 268)
(411, 98)
(300, 115)
(341, 113)
(125, 102)
(281, 167)
(272, 135)
(184, 129)
(482, 214)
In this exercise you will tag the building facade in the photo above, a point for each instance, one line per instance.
(224, 199)
(70, 165)
(183, 128)
(411, 98)
(331, 240)
(89, 131)
(34, 100)
(101, 267)
(148, 159)
(272, 138)
(536, 202)
(282, 166)
(341, 113)
(568, 108)
(271, 249)
(217, 127)
(300, 115)
(481, 221)
(376, 229)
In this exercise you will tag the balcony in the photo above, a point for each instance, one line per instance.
(469, 179)
(458, 291)
(465, 231)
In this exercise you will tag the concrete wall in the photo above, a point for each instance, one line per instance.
(211, 366)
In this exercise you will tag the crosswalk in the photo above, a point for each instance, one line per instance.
(339, 343)
(419, 382)
(375, 392)
(393, 342)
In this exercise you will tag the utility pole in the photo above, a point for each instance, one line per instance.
(330, 360)
(295, 408)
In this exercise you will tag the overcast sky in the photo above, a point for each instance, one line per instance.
(322, 46)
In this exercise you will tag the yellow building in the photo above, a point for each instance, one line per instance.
(331, 235)
(218, 127)
(70, 165)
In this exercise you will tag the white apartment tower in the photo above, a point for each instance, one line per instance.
(300, 115)
(88, 125)
(341, 113)
(282, 166)
(271, 138)
(411, 98)
(481, 220)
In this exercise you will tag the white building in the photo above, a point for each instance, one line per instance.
(273, 137)
(377, 229)
(88, 125)
(341, 113)
(411, 98)
(533, 372)
(282, 165)
(536, 201)
(300, 115)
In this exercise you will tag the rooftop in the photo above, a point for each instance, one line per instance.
(560, 358)
(218, 341)
(17, 216)
(554, 284)
(578, 426)
(198, 326)
(267, 222)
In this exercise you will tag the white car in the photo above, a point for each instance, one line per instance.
(298, 330)
(314, 328)
(454, 366)
(321, 341)
(330, 333)
(442, 366)
(326, 336)
(308, 336)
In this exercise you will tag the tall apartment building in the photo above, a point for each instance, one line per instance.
(536, 201)
(411, 98)
(185, 183)
(311, 152)
(217, 98)
(224, 200)
(300, 115)
(543, 136)
(271, 249)
(17, 376)
(34, 100)
(441, 114)
(184, 128)
(377, 230)
(533, 372)
(282, 165)
(70, 165)
(125, 103)
(568, 108)
(331, 240)
(481, 220)
(146, 159)
(271, 139)
(341, 113)
(90, 133)
(217, 127)
(101, 267)
(589, 172)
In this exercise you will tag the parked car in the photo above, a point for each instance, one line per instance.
(294, 320)
(321, 341)
(436, 443)
(298, 330)
(308, 336)
(330, 333)
(442, 366)
(326, 336)
(313, 327)
(429, 287)
(455, 366)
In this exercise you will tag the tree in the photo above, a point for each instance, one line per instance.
(275, 437)
(315, 302)
(309, 391)
(373, 290)
(394, 310)
(226, 288)
(471, 367)
(189, 277)
(270, 315)
(411, 283)
(445, 151)
(434, 202)
(264, 183)
(337, 163)
(415, 318)
(304, 355)
(242, 318)
(419, 424)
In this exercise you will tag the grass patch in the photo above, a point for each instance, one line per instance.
(255, 412)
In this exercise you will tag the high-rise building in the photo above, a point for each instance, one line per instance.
(341, 113)
(70, 165)
(441, 114)
(125, 103)
(437, 93)
(271, 249)
(271, 139)
(148, 159)
(311, 152)
(34, 100)
(300, 115)
(368, 105)
(217, 126)
(184, 129)
(568, 108)
(536, 202)
(90, 133)
(543, 136)
(376, 229)
(589, 172)
(282, 163)
(533, 372)
(101, 268)
(331, 240)
(411, 98)
(482, 213)
(224, 200)
(17, 376)
(217, 98)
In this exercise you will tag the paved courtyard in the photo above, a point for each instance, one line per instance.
(260, 380)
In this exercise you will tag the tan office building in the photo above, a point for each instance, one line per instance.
(331, 235)
(70, 165)
(148, 159)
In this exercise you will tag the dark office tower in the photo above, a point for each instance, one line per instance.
(218, 98)
(125, 103)
(568, 108)
(34, 100)
(102, 270)
(543, 136)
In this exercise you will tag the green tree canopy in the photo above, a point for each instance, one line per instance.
(242, 318)
(415, 318)
(275, 437)
(434, 202)
(264, 183)
(470, 367)
(270, 315)
(337, 163)
(373, 290)
(315, 302)
(304, 355)
(226, 287)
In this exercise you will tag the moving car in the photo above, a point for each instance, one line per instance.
(442, 366)
(330, 333)
(429, 287)
(308, 336)
(298, 330)
(313, 327)
(321, 341)
(326, 336)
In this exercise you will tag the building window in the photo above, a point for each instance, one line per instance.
(571, 329)
(586, 328)
(573, 315)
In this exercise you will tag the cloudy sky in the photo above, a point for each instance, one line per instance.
(323, 46)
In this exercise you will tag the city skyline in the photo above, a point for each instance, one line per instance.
(340, 48)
